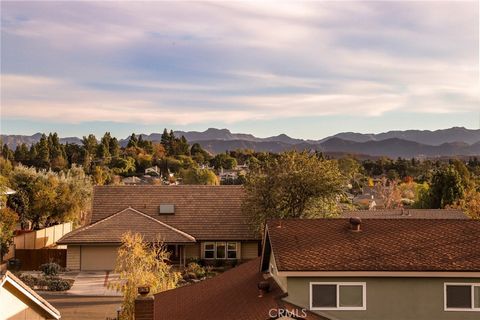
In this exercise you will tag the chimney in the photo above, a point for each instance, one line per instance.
(144, 304)
(355, 223)
(263, 288)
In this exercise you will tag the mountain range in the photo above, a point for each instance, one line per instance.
(456, 141)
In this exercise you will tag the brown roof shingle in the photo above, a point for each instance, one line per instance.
(204, 212)
(381, 245)
(111, 229)
(406, 214)
(230, 295)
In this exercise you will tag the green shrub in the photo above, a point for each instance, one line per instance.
(28, 279)
(196, 269)
(50, 269)
(49, 283)
(58, 284)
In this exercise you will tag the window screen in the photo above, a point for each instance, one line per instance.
(324, 295)
(459, 296)
(350, 296)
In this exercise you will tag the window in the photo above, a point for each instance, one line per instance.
(209, 250)
(338, 296)
(462, 296)
(220, 250)
(232, 250)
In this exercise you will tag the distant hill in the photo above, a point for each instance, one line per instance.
(410, 143)
(14, 140)
(434, 138)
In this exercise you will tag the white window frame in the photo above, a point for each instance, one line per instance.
(472, 286)
(338, 284)
(236, 250)
(214, 250)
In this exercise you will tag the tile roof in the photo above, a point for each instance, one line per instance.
(30, 294)
(204, 212)
(111, 229)
(406, 214)
(381, 245)
(230, 295)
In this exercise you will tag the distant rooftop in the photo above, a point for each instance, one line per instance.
(406, 214)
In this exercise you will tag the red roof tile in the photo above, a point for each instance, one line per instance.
(231, 295)
(406, 214)
(381, 245)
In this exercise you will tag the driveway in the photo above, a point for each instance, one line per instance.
(93, 283)
(77, 307)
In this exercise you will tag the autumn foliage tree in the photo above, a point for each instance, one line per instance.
(141, 264)
(293, 185)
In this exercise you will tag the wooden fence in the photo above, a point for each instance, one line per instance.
(31, 259)
(42, 238)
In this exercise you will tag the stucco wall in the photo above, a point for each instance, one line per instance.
(192, 251)
(249, 250)
(15, 306)
(389, 298)
(73, 257)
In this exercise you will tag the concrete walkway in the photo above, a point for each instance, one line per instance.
(93, 283)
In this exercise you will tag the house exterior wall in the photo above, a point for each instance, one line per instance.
(98, 257)
(14, 305)
(388, 298)
(272, 268)
(192, 251)
(249, 250)
(73, 257)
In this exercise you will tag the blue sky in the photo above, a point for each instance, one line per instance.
(307, 69)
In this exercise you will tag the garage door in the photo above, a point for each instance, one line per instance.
(98, 257)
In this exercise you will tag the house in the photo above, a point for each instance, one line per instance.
(373, 269)
(20, 302)
(234, 294)
(195, 222)
(405, 214)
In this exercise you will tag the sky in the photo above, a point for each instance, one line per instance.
(306, 69)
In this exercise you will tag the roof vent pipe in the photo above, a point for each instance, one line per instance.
(263, 288)
(355, 223)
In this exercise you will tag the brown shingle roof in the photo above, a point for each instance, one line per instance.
(230, 295)
(381, 245)
(205, 212)
(111, 229)
(406, 214)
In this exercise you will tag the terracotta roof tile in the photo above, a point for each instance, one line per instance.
(230, 295)
(111, 229)
(204, 212)
(381, 245)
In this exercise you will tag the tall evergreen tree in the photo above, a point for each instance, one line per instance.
(43, 153)
(133, 141)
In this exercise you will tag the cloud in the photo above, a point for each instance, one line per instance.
(193, 62)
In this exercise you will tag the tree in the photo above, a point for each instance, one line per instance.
(21, 154)
(446, 187)
(142, 264)
(43, 153)
(223, 160)
(132, 142)
(20, 203)
(8, 221)
(199, 176)
(7, 153)
(295, 185)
